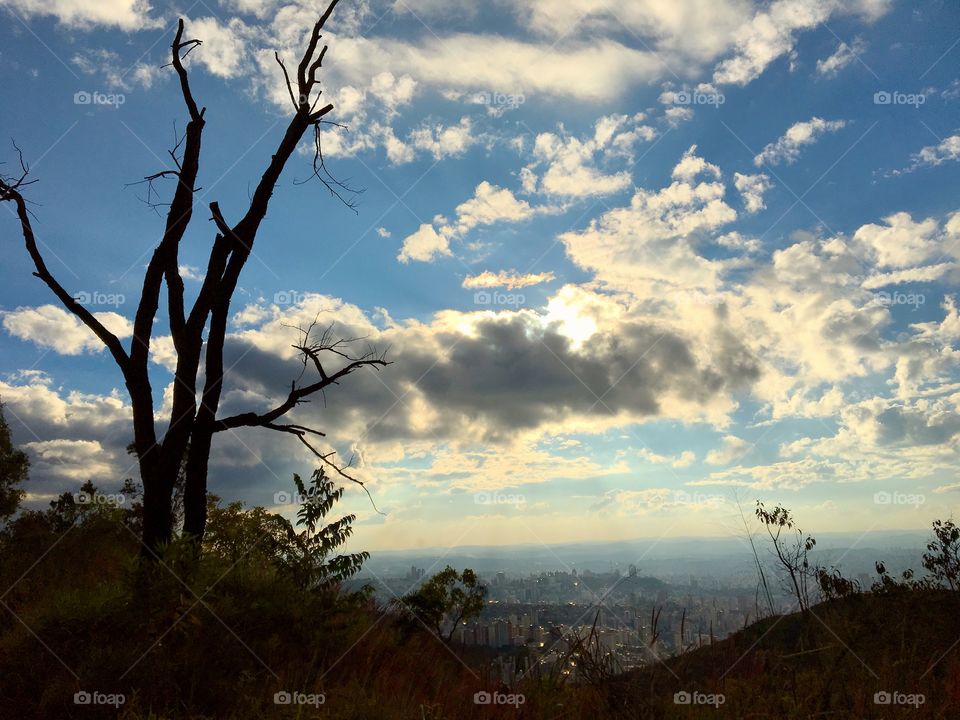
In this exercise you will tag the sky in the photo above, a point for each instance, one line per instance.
(635, 262)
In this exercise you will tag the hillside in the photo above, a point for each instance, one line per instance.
(222, 646)
(831, 663)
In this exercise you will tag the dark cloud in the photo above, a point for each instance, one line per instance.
(511, 374)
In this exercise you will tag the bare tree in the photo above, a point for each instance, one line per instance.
(192, 423)
(792, 549)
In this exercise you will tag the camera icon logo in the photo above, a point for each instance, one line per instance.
(882, 98)
(82, 698)
(482, 698)
(482, 298)
(682, 698)
(282, 698)
(882, 698)
(82, 98)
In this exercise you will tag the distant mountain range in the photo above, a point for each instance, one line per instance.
(668, 558)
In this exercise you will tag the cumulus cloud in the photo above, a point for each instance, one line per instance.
(900, 242)
(683, 460)
(116, 74)
(84, 14)
(752, 188)
(568, 166)
(52, 327)
(424, 245)
(442, 141)
(947, 150)
(509, 279)
(225, 46)
(843, 56)
(70, 436)
(652, 239)
(732, 449)
(490, 204)
(772, 32)
(787, 148)
(485, 376)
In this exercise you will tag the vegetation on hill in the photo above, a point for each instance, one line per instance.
(259, 626)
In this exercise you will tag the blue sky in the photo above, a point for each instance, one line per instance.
(633, 260)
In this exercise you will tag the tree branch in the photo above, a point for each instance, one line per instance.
(10, 191)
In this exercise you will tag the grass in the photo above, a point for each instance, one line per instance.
(214, 640)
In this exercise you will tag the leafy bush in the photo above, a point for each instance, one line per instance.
(448, 597)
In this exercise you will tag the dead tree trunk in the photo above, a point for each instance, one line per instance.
(187, 441)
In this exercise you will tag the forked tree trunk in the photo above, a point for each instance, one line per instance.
(187, 442)
(195, 487)
(157, 510)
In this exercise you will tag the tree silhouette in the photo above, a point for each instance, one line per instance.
(449, 597)
(192, 425)
(14, 468)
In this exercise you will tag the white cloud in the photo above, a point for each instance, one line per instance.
(683, 460)
(52, 327)
(424, 245)
(947, 150)
(684, 28)
(844, 55)
(70, 435)
(509, 279)
(259, 8)
(224, 48)
(752, 188)
(772, 33)
(191, 272)
(116, 73)
(595, 71)
(490, 204)
(569, 165)
(77, 460)
(83, 14)
(444, 140)
(787, 148)
(652, 239)
(900, 242)
(733, 449)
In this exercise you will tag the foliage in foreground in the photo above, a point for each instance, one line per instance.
(259, 627)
